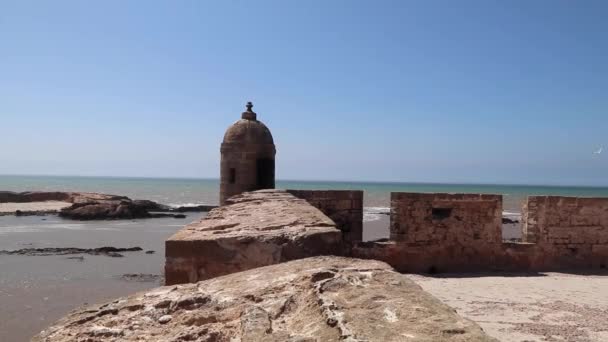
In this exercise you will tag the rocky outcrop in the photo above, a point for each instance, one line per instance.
(255, 229)
(314, 299)
(105, 210)
(112, 210)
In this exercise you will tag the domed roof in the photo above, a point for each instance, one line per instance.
(248, 130)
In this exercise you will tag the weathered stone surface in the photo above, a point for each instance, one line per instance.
(255, 229)
(314, 299)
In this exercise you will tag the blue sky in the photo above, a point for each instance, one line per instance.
(414, 91)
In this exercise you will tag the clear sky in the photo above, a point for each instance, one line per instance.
(415, 91)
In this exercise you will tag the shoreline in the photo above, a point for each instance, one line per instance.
(88, 206)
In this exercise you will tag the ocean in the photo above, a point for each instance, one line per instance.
(176, 191)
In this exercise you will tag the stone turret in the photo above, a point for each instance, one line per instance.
(247, 161)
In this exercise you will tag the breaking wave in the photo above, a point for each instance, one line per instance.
(177, 205)
(375, 213)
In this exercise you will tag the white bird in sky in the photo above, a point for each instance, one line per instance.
(599, 151)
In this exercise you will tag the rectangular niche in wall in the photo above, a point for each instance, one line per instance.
(441, 213)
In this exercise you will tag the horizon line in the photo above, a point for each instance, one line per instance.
(316, 180)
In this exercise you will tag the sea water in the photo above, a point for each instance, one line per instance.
(176, 191)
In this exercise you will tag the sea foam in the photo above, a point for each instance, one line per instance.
(374, 213)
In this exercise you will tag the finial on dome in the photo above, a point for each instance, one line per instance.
(249, 114)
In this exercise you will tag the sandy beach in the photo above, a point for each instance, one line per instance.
(33, 206)
(528, 307)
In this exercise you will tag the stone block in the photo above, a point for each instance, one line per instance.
(345, 207)
(256, 229)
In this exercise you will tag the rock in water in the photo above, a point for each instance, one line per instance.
(314, 299)
(104, 210)
(113, 210)
(93, 206)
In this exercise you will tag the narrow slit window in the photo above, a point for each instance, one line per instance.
(232, 179)
(441, 213)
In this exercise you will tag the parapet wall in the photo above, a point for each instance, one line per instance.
(440, 232)
(568, 231)
(428, 233)
(559, 220)
(462, 232)
(344, 207)
(446, 219)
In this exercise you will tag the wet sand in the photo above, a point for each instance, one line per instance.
(528, 307)
(378, 229)
(35, 291)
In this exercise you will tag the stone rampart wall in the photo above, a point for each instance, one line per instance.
(440, 232)
(462, 232)
(568, 231)
(446, 219)
(429, 233)
(344, 207)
